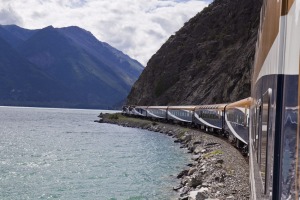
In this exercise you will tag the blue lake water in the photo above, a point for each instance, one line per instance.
(63, 154)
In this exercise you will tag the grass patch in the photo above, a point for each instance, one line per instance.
(154, 123)
(213, 153)
(114, 116)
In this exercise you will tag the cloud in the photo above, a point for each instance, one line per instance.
(138, 28)
(71, 3)
(9, 16)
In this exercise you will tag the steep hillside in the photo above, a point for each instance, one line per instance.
(89, 71)
(121, 64)
(15, 35)
(21, 83)
(207, 61)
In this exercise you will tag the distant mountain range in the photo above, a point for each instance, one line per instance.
(62, 67)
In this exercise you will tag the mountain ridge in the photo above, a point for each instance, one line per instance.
(90, 79)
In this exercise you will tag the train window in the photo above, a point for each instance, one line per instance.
(264, 140)
(258, 132)
(254, 134)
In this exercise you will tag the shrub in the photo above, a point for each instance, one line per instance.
(114, 116)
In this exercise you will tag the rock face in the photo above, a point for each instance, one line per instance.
(207, 61)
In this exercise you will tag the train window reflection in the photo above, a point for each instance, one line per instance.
(264, 140)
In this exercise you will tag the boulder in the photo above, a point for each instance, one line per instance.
(220, 177)
(184, 190)
(203, 150)
(197, 142)
(177, 187)
(195, 157)
(230, 197)
(198, 150)
(195, 180)
(198, 195)
(220, 161)
(183, 173)
(191, 171)
(185, 197)
(186, 137)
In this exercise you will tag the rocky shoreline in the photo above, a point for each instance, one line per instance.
(217, 170)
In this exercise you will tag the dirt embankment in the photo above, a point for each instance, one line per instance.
(217, 169)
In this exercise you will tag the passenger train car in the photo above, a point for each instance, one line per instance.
(274, 117)
(227, 119)
(267, 123)
(237, 120)
(210, 117)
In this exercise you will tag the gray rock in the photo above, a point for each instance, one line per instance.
(218, 165)
(197, 142)
(220, 161)
(177, 141)
(230, 197)
(198, 195)
(191, 171)
(190, 164)
(203, 150)
(183, 146)
(195, 180)
(184, 190)
(184, 198)
(220, 184)
(221, 177)
(183, 173)
(177, 187)
(195, 157)
(185, 180)
(198, 150)
(186, 137)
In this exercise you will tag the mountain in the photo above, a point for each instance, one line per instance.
(207, 61)
(15, 35)
(90, 73)
(21, 80)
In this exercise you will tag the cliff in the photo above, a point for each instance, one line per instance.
(207, 61)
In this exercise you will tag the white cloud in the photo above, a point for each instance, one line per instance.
(136, 27)
(9, 16)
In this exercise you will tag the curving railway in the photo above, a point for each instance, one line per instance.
(266, 125)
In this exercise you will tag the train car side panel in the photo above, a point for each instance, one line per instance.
(274, 112)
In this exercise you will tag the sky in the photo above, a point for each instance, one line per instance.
(136, 27)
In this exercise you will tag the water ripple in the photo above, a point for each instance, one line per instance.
(63, 154)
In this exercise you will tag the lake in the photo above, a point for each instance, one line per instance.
(63, 154)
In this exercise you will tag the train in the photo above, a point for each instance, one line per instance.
(229, 120)
(265, 125)
(274, 111)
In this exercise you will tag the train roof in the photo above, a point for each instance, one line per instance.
(143, 107)
(213, 106)
(157, 107)
(181, 107)
(244, 103)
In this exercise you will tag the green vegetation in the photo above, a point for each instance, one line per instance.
(154, 123)
(213, 153)
(114, 116)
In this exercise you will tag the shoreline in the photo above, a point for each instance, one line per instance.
(217, 170)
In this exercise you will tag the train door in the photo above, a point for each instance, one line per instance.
(266, 163)
(263, 141)
(258, 130)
